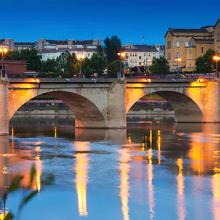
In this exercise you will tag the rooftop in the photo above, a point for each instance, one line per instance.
(140, 48)
(62, 50)
(72, 42)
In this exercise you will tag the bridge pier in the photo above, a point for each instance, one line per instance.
(4, 123)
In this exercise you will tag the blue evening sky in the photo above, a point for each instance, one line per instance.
(29, 20)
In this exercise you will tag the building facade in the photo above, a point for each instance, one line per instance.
(45, 44)
(141, 55)
(51, 49)
(217, 37)
(47, 54)
(15, 68)
(184, 46)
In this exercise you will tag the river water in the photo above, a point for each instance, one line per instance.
(153, 170)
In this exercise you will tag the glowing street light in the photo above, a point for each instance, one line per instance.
(80, 58)
(178, 60)
(122, 57)
(216, 58)
(3, 52)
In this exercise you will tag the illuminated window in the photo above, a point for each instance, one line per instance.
(177, 44)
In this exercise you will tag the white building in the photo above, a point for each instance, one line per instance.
(51, 49)
(140, 55)
(55, 53)
(45, 44)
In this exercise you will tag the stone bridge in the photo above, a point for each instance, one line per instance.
(104, 103)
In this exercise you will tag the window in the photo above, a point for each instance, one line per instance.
(202, 49)
(169, 56)
(177, 44)
(187, 44)
(139, 57)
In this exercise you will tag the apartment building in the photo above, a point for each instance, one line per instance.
(141, 55)
(55, 53)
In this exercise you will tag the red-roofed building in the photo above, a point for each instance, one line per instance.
(15, 67)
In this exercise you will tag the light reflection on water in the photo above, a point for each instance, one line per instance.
(81, 179)
(152, 171)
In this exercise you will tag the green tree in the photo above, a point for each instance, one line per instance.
(98, 64)
(159, 66)
(87, 68)
(67, 64)
(112, 47)
(49, 68)
(204, 64)
(114, 67)
(31, 56)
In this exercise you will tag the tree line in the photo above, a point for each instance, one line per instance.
(106, 60)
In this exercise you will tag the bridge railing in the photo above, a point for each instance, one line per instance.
(177, 76)
(152, 77)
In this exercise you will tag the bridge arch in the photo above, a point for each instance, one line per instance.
(187, 109)
(87, 114)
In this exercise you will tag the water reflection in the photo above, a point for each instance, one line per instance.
(124, 168)
(159, 146)
(81, 179)
(153, 159)
(180, 190)
(38, 167)
(4, 175)
(150, 177)
(216, 196)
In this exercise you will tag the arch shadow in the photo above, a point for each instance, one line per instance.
(186, 109)
(86, 113)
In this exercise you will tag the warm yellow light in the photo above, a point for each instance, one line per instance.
(3, 50)
(37, 80)
(80, 57)
(3, 214)
(81, 179)
(216, 58)
(178, 59)
(122, 55)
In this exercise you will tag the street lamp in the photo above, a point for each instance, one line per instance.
(216, 58)
(3, 52)
(80, 58)
(122, 57)
(178, 60)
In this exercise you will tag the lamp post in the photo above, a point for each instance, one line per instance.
(216, 58)
(3, 52)
(121, 56)
(80, 58)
